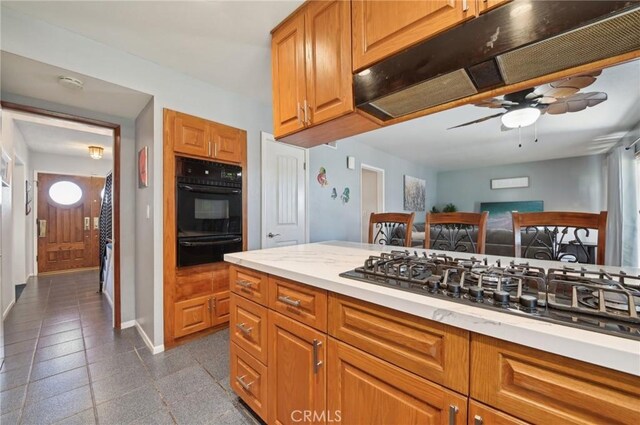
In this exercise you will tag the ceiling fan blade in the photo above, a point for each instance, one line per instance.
(578, 82)
(493, 103)
(478, 120)
(577, 102)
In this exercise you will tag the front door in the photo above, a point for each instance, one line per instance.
(67, 226)
(284, 194)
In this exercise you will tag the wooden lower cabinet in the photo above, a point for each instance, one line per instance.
(248, 326)
(363, 389)
(220, 308)
(544, 388)
(297, 372)
(192, 315)
(479, 414)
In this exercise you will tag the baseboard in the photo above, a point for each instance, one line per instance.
(154, 349)
(127, 324)
(6, 312)
(110, 300)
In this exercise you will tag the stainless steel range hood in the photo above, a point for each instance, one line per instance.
(519, 41)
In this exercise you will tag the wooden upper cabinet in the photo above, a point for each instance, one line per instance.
(227, 142)
(487, 5)
(545, 388)
(328, 60)
(191, 135)
(367, 390)
(288, 74)
(382, 28)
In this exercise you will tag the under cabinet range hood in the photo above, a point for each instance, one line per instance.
(517, 42)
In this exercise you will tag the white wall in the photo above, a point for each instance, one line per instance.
(40, 41)
(73, 165)
(331, 218)
(144, 229)
(569, 184)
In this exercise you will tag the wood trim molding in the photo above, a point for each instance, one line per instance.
(117, 319)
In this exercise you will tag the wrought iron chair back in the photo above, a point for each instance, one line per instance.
(554, 231)
(383, 225)
(454, 231)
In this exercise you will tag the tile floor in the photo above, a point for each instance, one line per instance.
(65, 364)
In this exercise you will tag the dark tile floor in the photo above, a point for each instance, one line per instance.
(65, 364)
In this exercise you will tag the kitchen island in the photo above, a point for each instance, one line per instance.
(370, 342)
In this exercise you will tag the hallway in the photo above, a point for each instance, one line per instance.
(65, 364)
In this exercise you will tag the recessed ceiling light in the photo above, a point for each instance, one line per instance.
(70, 82)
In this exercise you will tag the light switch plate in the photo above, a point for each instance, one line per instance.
(351, 162)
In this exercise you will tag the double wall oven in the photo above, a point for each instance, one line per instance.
(208, 211)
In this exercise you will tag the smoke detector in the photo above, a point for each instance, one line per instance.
(70, 82)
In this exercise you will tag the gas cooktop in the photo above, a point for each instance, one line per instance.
(591, 299)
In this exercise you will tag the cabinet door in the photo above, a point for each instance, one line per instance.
(367, 390)
(486, 5)
(191, 135)
(288, 74)
(220, 306)
(248, 379)
(297, 375)
(192, 316)
(248, 326)
(479, 414)
(227, 143)
(382, 28)
(328, 60)
(546, 388)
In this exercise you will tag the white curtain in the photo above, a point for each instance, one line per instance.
(623, 232)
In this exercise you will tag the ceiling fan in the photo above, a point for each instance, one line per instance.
(524, 107)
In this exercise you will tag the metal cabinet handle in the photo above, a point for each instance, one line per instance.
(245, 330)
(215, 150)
(298, 109)
(209, 148)
(465, 5)
(209, 304)
(477, 420)
(245, 385)
(316, 363)
(287, 300)
(453, 412)
(244, 283)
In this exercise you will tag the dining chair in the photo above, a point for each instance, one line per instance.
(455, 231)
(557, 235)
(383, 226)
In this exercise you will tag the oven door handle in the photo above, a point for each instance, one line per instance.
(207, 189)
(208, 243)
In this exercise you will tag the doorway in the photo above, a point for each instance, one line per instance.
(68, 218)
(284, 193)
(114, 136)
(371, 196)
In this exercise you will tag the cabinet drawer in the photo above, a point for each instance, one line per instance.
(367, 390)
(301, 302)
(249, 327)
(192, 316)
(193, 284)
(429, 349)
(249, 380)
(249, 283)
(540, 387)
(479, 414)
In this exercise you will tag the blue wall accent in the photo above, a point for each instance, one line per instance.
(330, 219)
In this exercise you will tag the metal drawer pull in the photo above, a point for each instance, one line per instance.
(477, 420)
(316, 363)
(285, 299)
(244, 283)
(246, 386)
(453, 412)
(245, 330)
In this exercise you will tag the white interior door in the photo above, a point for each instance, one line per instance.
(283, 193)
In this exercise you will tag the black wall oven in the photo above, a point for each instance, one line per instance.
(208, 210)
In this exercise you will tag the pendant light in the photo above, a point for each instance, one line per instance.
(96, 152)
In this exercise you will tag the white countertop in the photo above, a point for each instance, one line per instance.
(319, 265)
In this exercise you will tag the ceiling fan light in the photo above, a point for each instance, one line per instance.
(521, 117)
(96, 152)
